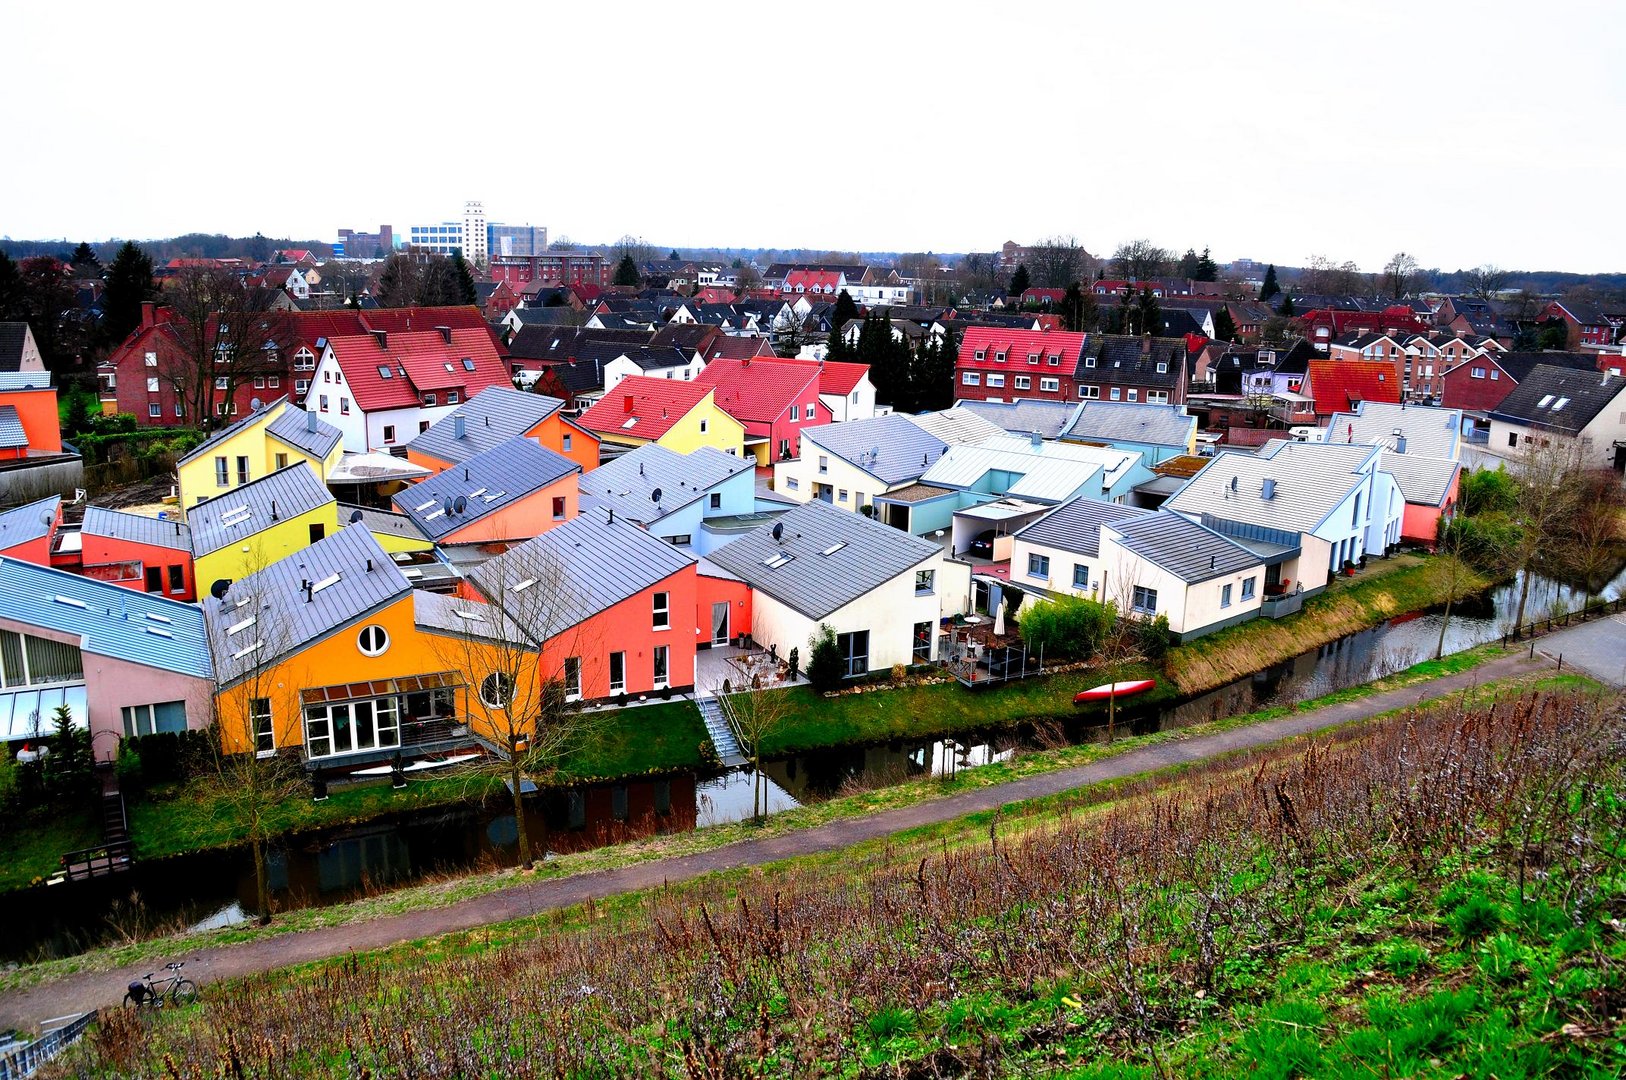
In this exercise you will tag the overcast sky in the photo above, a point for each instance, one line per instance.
(1460, 132)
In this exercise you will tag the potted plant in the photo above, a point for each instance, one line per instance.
(1349, 568)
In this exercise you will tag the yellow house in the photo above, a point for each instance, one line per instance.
(681, 416)
(253, 526)
(333, 656)
(275, 437)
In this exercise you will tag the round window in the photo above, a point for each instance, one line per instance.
(373, 640)
(496, 690)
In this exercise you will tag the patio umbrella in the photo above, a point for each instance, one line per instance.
(995, 597)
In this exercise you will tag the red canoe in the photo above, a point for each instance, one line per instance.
(1114, 690)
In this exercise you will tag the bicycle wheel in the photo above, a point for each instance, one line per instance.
(130, 1001)
(185, 992)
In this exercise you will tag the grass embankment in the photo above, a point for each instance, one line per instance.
(34, 847)
(1386, 588)
(1433, 895)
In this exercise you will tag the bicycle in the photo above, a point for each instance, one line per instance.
(172, 990)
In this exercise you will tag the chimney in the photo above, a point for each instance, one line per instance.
(457, 427)
(382, 337)
(1145, 344)
(445, 334)
(308, 592)
(1269, 489)
(149, 314)
(273, 510)
(626, 403)
(1400, 441)
(310, 421)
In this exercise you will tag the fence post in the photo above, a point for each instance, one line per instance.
(1560, 662)
(1532, 647)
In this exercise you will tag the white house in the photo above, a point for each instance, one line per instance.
(658, 362)
(880, 590)
(846, 391)
(848, 465)
(1557, 401)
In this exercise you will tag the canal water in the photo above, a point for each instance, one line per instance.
(212, 889)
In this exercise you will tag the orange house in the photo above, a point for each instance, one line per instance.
(1429, 486)
(28, 415)
(610, 605)
(492, 417)
(331, 655)
(138, 552)
(513, 491)
(25, 533)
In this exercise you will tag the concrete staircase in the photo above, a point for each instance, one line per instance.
(720, 731)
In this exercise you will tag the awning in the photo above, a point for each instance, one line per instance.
(372, 468)
(380, 688)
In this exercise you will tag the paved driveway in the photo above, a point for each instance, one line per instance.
(1597, 648)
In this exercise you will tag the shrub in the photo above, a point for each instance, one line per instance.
(1487, 491)
(1154, 637)
(1068, 627)
(169, 757)
(1405, 957)
(68, 767)
(825, 668)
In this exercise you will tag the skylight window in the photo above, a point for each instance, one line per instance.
(246, 650)
(384, 372)
(833, 548)
(159, 618)
(447, 365)
(468, 365)
(494, 496)
(477, 491)
(1560, 403)
(237, 628)
(331, 579)
(523, 585)
(470, 616)
(778, 559)
(631, 420)
(1546, 399)
(436, 514)
(72, 602)
(159, 631)
(421, 507)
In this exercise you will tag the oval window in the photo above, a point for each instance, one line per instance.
(373, 640)
(496, 690)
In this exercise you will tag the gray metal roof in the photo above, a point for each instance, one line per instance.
(455, 617)
(29, 521)
(578, 569)
(1050, 472)
(25, 380)
(1428, 432)
(275, 497)
(1558, 398)
(1311, 480)
(305, 432)
(1076, 526)
(489, 418)
(892, 448)
(137, 528)
(270, 614)
(1182, 547)
(1121, 421)
(379, 521)
(1422, 480)
(835, 557)
(254, 417)
(1048, 418)
(957, 426)
(110, 620)
(12, 434)
(487, 482)
(627, 483)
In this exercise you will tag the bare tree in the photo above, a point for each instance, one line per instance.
(1321, 275)
(641, 250)
(756, 711)
(1400, 273)
(229, 333)
(1546, 469)
(1595, 534)
(746, 278)
(1487, 281)
(523, 653)
(1057, 261)
(1140, 259)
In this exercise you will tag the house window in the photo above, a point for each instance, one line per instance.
(496, 690)
(824, 464)
(1134, 394)
(302, 387)
(389, 433)
(573, 678)
(155, 579)
(1081, 575)
(151, 359)
(259, 717)
(452, 397)
(843, 495)
(373, 640)
(1477, 373)
(428, 399)
(282, 461)
(259, 382)
(1038, 566)
(970, 378)
(1116, 393)
(854, 649)
(1049, 386)
(224, 408)
(274, 381)
(981, 354)
(996, 380)
(925, 581)
(242, 469)
(321, 400)
(1247, 588)
(680, 540)
(1162, 367)
(1495, 374)
(222, 472)
(922, 653)
(155, 409)
(662, 606)
(792, 484)
(152, 385)
(1145, 601)
(1513, 438)
(1033, 358)
(344, 406)
(316, 531)
(347, 727)
(423, 426)
(152, 719)
(558, 508)
(1091, 392)
(716, 500)
(222, 383)
(177, 579)
(1157, 397)
(180, 410)
(1023, 382)
(1225, 596)
(1089, 361)
(662, 655)
(618, 672)
(999, 357)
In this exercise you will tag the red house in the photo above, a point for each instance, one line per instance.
(1323, 324)
(774, 399)
(998, 364)
(1340, 385)
(1584, 322)
(1043, 298)
(138, 552)
(26, 532)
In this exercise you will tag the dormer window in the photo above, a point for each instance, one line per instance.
(1162, 367)
(999, 357)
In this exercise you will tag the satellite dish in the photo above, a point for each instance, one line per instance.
(460, 504)
(778, 531)
(255, 404)
(655, 496)
(446, 507)
(218, 589)
(355, 516)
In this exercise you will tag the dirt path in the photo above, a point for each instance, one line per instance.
(76, 993)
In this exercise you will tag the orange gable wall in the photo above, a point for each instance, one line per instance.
(337, 659)
(1421, 524)
(629, 627)
(37, 551)
(714, 590)
(583, 443)
(36, 409)
(106, 549)
(530, 516)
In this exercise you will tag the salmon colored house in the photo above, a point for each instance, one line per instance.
(610, 606)
(332, 656)
(512, 492)
(137, 552)
(26, 532)
(492, 417)
(28, 415)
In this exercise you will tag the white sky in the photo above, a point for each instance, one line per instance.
(1460, 132)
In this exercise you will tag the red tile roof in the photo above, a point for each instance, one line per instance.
(839, 376)
(760, 390)
(1338, 384)
(1017, 345)
(419, 362)
(819, 281)
(1041, 295)
(655, 406)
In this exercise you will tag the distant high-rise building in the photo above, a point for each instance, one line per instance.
(360, 245)
(476, 242)
(478, 239)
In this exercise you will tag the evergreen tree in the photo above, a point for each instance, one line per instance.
(674, 256)
(825, 666)
(934, 372)
(837, 347)
(13, 307)
(1188, 264)
(259, 248)
(1207, 269)
(1269, 288)
(84, 261)
(1079, 311)
(68, 767)
(129, 284)
(1224, 325)
(626, 272)
(464, 281)
(1020, 282)
(1287, 305)
(1148, 316)
(48, 300)
(845, 309)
